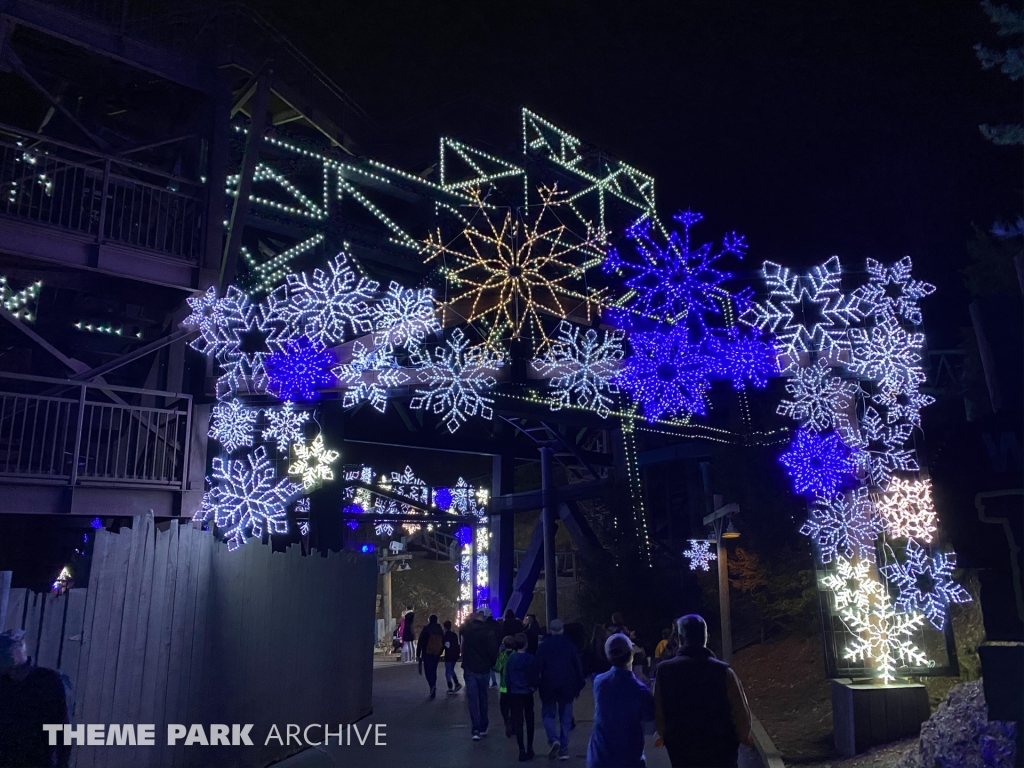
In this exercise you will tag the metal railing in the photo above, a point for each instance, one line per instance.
(105, 198)
(88, 434)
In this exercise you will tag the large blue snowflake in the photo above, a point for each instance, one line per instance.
(744, 359)
(300, 371)
(821, 465)
(926, 583)
(667, 374)
(676, 281)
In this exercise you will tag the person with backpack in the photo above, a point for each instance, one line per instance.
(508, 647)
(452, 653)
(428, 651)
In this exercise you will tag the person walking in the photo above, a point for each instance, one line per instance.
(495, 628)
(532, 631)
(513, 626)
(452, 653)
(594, 660)
(30, 697)
(700, 708)
(666, 635)
(623, 711)
(520, 696)
(429, 648)
(558, 673)
(508, 647)
(408, 636)
(479, 652)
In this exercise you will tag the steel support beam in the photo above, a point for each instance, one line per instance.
(549, 524)
(503, 529)
(526, 576)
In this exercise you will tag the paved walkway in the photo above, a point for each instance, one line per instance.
(435, 734)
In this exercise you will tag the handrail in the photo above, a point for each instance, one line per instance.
(94, 385)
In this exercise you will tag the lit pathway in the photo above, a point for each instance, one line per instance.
(436, 734)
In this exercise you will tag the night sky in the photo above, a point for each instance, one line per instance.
(814, 128)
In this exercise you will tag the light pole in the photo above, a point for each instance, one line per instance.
(718, 519)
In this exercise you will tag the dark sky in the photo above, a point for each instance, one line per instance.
(815, 128)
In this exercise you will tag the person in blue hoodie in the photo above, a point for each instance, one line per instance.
(623, 711)
(520, 696)
(558, 674)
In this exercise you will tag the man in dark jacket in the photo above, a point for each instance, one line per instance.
(557, 671)
(452, 653)
(700, 708)
(408, 635)
(429, 648)
(479, 653)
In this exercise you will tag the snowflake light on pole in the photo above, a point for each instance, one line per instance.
(369, 375)
(907, 511)
(677, 281)
(285, 425)
(744, 359)
(666, 374)
(504, 275)
(887, 354)
(884, 638)
(844, 524)
(820, 401)
(312, 463)
(818, 464)
(300, 371)
(700, 554)
(581, 368)
(455, 378)
(926, 583)
(247, 498)
(853, 587)
(891, 291)
(232, 424)
(404, 316)
(807, 313)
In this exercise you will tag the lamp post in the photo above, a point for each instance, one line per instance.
(718, 519)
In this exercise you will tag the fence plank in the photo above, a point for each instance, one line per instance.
(94, 634)
(199, 642)
(154, 639)
(71, 646)
(50, 631)
(33, 617)
(164, 655)
(177, 636)
(188, 638)
(129, 690)
(5, 595)
(16, 609)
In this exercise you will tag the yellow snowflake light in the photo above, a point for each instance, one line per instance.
(312, 463)
(504, 273)
(853, 586)
(907, 510)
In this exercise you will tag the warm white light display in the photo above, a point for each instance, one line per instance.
(700, 555)
(844, 525)
(853, 587)
(926, 583)
(247, 498)
(455, 378)
(907, 511)
(888, 355)
(820, 400)
(581, 368)
(892, 291)
(312, 463)
(232, 424)
(404, 316)
(285, 425)
(369, 374)
(884, 639)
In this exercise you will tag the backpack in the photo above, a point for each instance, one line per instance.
(435, 644)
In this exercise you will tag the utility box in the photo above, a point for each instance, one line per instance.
(865, 714)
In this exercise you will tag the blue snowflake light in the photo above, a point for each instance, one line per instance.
(300, 371)
(678, 280)
(464, 535)
(926, 583)
(443, 499)
(744, 359)
(821, 465)
(667, 374)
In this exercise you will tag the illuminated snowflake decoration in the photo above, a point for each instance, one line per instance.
(678, 281)
(302, 516)
(666, 374)
(901, 405)
(881, 450)
(820, 401)
(744, 359)
(581, 368)
(312, 463)
(807, 313)
(891, 291)
(888, 354)
(700, 555)
(285, 426)
(467, 499)
(383, 527)
(926, 583)
(411, 487)
(907, 511)
(246, 498)
(369, 375)
(404, 316)
(818, 464)
(203, 318)
(455, 377)
(884, 639)
(503, 275)
(845, 524)
(853, 587)
(327, 306)
(232, 424)
(300, 371)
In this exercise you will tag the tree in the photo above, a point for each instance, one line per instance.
(782, 591)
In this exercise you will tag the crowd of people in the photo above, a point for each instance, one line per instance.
(693, 701)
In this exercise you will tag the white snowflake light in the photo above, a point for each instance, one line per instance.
(404, 316)
(581, 368)
(820, 400)
(369, 375)
(846, 524)
(454, 380)
(907, 511)
(383, 528)
(246, 497)
(806, 313)
(853, 587)
(884, 638)
(700, 554)
(231, 424)
(891, 291)
(888, 355)
(882, 452)
(285, 425)
(901, 405)
(202, 318)
(312, 463)
(926, 583)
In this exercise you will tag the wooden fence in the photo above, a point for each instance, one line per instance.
(173, 628)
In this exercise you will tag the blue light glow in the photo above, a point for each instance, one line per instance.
(667, 374)
(744, 359)
(96, 523)
(821, 465)
(464, 535)
(367, 548)
(300, 371)
(352, 524)
(443, 499)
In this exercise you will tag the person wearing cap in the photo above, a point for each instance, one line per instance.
(558, 675)
(700, 708)
(30, 697)
(479, 653)
(623, 711)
